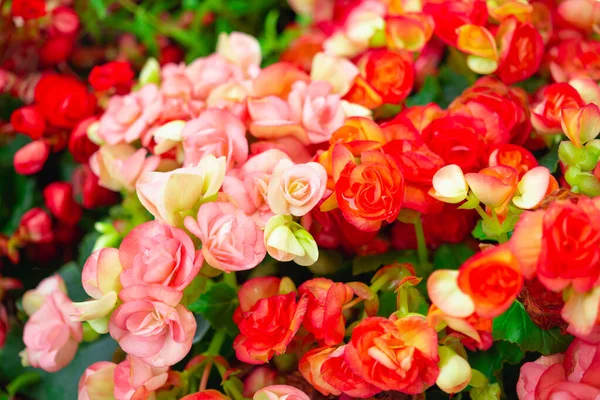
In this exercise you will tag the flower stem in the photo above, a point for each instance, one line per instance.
(205, 375)
(215, 344)
(481, 212)
(379, 282)
(421, 244)
(230, 279)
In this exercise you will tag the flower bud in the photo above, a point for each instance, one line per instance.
(150, 72)
(572, 155)
(449, 185)
(29, 121)
(80, 145)
(101, 281)
(97, 382)
(36, 227)
(455, 371)
(34, 298)
(287, 240)
(58, 197)
(31, 158)
(258, 379)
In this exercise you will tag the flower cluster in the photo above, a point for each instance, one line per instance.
(387, 227)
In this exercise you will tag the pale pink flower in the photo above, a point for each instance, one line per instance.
(97, 382)
(134, 379)
(318, 110)
(256, 174)
(156, 253)
(241, 50)
(216, 132)
(271, 118)
(170, 196)
(152, 325)
(231, 241)
(119, 166)
(280, 392)
(296, 189)
(338, 71)
(100, 279)
(51, 339)
(231, 96)
(210, 72)
(128, 117)
(33, 299)
(177, 101)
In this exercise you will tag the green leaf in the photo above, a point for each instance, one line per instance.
(478, 232)
(10, 361)
(202, 327)
(428, 93)
(515, 326)
(451, 256)
(550, 159)
(240, 7)
(99, 8)
(71, 274)
(86, 247)
(8, 104)
(364, 264)
(489, 362)
(17, 196)
(451, 84)
(217, 306)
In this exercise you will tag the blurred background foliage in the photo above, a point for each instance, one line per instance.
(185, 29)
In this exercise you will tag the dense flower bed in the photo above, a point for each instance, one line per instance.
(384, 199)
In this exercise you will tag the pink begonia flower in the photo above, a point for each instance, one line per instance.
(294, 148)
(156, 253)
(256, 174)
(97, 382)
(241, 50)
(33, 299)
(127, 117)
(210, 72)
(176, 100)
(531, 373)
(50, 337)
(100, 279)
(216, 132)
(296, 189)
(280, 392)
(152, 325)
(317, 108)
(119, 167)
(231, 241)
(272, 118)
(133, 379)
(170, 196)
(572, 376)
(231, 96)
